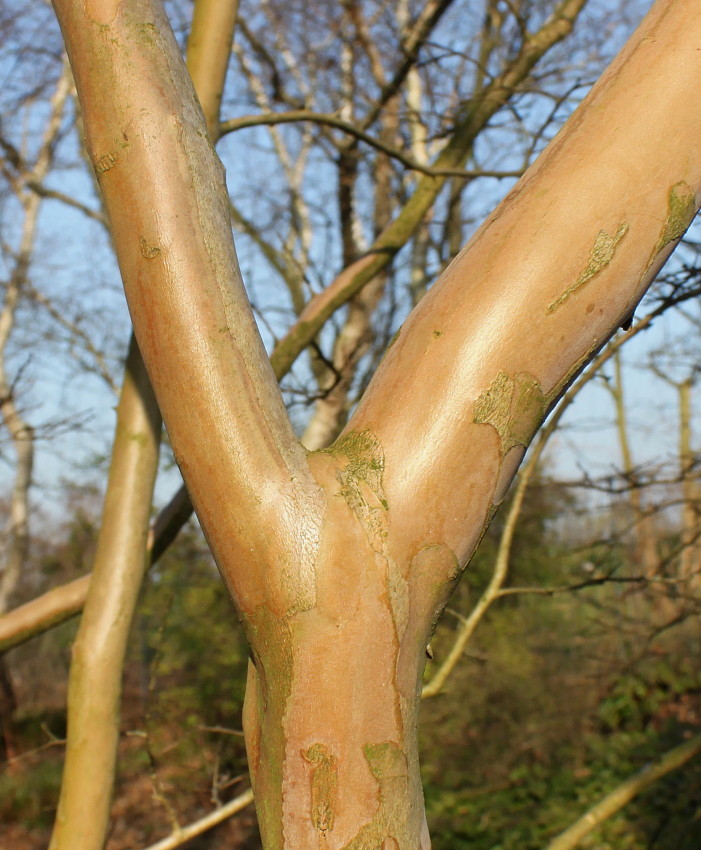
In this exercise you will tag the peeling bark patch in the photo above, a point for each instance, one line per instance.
(681, 210)
(102, 12)
(361, 482)
(104, 163)
(388, 830)
(324, 781)
(600, 256)
(271, 644)
(148, 251)
(514, 407)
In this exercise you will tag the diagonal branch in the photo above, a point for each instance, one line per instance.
(495, 589)
(555, 270)
(615, 800)
(61, 603)
(416, 35)
(208, 52)
(475, 117)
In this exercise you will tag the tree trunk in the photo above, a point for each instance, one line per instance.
(339, 561)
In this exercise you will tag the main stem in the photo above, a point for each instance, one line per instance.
(332, 698)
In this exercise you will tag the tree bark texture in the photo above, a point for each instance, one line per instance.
(97, 655)
(340, 560)
(94, 691)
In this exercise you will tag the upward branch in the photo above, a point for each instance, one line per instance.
(543, 284)
(164, 190)
(399, 231)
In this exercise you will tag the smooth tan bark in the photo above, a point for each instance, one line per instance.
(94, 690)
(208, 52)
(340, 561)
(94, 686)
(178, 262)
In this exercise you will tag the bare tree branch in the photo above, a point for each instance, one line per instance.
(198, 827)
(333, 120)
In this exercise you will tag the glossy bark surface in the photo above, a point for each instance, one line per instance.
(340, 560)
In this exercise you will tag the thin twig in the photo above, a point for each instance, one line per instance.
(330, 119)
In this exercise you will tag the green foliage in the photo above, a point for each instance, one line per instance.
(29, 786)
(537, 799)
(30, 796)
(560, 699)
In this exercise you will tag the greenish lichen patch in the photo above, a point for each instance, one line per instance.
(324, 782)
(514, 407)
(271, 643)
(361, 482)
(104, 163)
(601, 255)
(388, 765)
(386, 761)
(148, 251)
(149, 33)
(681, 209)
